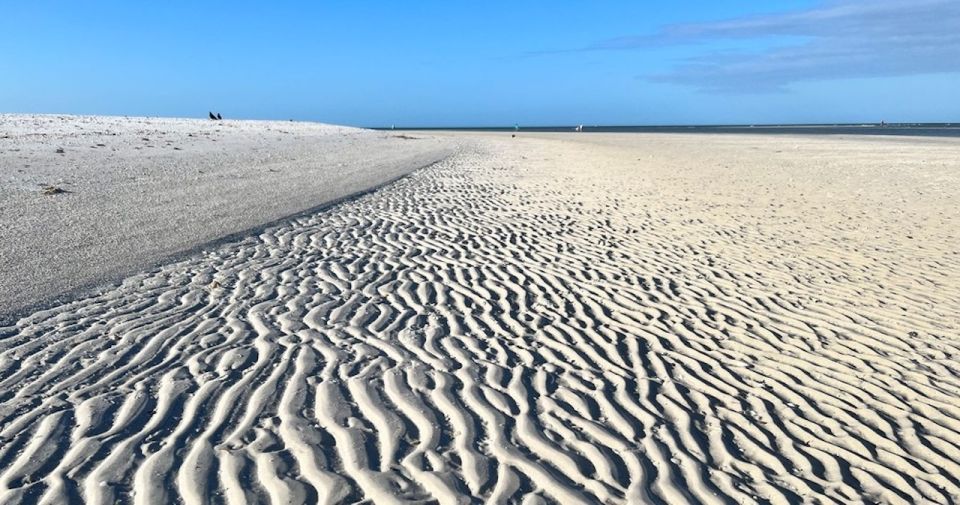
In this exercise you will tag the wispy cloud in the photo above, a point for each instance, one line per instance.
(840, 39)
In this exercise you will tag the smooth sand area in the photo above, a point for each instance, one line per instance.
(543, 319)
(137, 191)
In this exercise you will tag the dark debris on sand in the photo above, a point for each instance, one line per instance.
(52, 190)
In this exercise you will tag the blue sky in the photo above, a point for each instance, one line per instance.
(452, 62)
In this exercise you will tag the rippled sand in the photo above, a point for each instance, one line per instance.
(555, 318)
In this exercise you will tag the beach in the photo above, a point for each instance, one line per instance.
(88, 200)
(439, 317)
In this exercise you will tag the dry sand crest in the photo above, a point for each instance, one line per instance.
(553, 318)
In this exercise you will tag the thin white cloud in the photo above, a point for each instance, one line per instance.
(841, 39)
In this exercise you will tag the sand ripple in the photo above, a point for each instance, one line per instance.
(468, 335)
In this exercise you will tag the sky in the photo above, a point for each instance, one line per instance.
(460, 63)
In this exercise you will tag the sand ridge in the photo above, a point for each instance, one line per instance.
(654, 319)
(87, 200)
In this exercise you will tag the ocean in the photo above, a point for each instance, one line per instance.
(913, 129)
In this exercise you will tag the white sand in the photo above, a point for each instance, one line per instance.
(142, 190)
(554, 318)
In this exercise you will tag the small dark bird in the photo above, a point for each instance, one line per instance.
(212, 116)
(218, 116)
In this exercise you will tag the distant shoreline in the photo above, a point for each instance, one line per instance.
(909, 129)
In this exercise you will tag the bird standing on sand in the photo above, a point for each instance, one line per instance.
(218, 117)
(212, 116)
